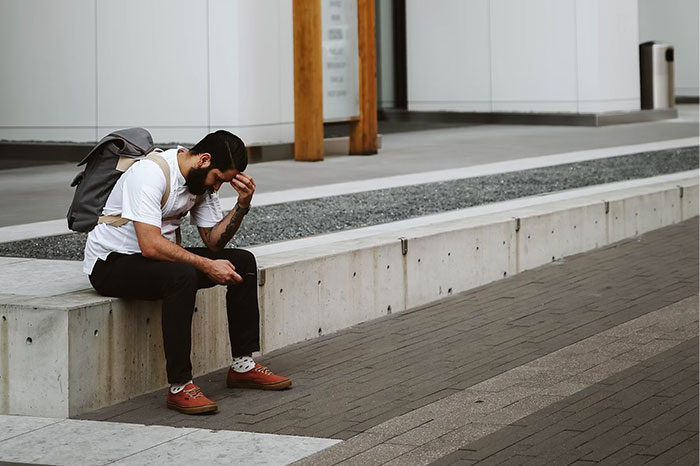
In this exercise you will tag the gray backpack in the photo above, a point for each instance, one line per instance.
(105, 163)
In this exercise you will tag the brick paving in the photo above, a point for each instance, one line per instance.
(349, 382)
(442, 427)
(647, 414)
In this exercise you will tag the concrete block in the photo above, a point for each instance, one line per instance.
(642, 210)
(648, 211)
(615, 221)
(34, 357)
(63, 357)
(439, 264)
(689, 202)
(546, 237)
(321, 294)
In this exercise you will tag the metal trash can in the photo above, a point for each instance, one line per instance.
(656, 75)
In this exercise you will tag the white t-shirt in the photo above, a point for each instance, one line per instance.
(137, 196)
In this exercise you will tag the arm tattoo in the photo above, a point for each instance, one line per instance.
(206, 232)
(231, 228)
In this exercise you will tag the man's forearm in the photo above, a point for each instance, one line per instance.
(154, 246)
(163, 249)
(222, 232)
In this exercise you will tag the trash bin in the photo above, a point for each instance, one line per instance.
(656, 75)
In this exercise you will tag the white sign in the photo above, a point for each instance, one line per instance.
(341, 87)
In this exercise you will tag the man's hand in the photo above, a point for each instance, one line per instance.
(222, 272)
(245, 186)
(217, 236)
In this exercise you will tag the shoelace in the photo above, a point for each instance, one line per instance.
(194, 392)
(263, 370)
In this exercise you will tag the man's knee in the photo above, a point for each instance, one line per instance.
(243, 260)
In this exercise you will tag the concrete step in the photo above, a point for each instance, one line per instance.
(65, 350)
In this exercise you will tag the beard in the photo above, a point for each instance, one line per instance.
(196, 179)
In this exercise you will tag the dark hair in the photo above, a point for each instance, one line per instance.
(226, 149)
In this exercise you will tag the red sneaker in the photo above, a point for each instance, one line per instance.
(190, 400)
(259, 377)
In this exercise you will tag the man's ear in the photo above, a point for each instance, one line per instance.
(204, 160)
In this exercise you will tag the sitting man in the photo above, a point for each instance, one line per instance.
(142, 260)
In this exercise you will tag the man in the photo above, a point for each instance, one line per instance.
(142, 259)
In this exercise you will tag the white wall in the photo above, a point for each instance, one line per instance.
(47, 71)
(73, 70)
(448, 55)
(607, 47)
(252, 69)
(676, 22)
(523, 56)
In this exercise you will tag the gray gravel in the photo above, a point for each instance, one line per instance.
(317, 216)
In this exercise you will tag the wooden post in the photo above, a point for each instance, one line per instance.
(308, 81)
(363, 132)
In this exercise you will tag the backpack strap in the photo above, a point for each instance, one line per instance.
(117, 220)
(163, 164)
(178, 232)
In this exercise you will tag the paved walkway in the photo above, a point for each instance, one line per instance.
(646, 414)
(591, 359)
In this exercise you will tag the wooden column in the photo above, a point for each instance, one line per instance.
(308, 81)
(363, 132)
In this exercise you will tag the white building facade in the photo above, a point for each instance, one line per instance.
(74, 70)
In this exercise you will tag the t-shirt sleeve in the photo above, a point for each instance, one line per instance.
(143, 189)
(207, 212)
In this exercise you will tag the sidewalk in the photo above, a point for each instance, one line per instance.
(598, 350)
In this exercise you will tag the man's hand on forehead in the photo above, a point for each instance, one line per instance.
(245, 187)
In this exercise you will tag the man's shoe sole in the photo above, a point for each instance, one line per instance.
(192, 409)
(259, 386)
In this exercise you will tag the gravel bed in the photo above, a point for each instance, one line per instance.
(299, 219)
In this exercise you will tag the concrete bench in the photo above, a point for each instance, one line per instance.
(64, 350)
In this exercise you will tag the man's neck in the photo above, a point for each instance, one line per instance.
(183, 156)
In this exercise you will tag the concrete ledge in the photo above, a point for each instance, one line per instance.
(324, 288)
(531, 118)
(65, 353)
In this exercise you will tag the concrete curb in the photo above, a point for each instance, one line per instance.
(325, 288)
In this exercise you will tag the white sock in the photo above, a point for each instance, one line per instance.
(177, 388)
(242, 364)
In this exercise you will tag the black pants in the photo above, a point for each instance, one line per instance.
(176, 283)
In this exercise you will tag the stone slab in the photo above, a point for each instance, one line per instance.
(83, 442)
(12, 426)
(72, 442)
(225, 448)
